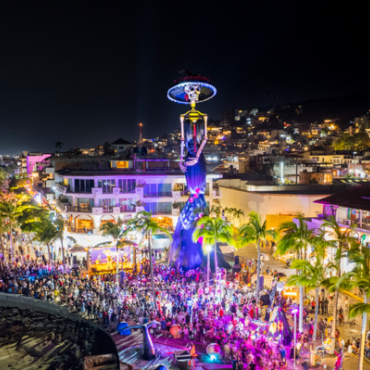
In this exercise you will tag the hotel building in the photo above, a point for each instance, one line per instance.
(89, 197)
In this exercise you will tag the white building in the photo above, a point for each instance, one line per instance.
(88, 198)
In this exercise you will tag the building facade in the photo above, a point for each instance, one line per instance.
(350, 209)
(88, 199)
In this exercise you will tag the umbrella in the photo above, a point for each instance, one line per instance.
(280, 275)
(77, 249)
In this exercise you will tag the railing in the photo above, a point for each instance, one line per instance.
(323, 216)
(156, 195)
(79, 209)
(216, 192)
(347, 222)
(61, 205)
(127, 209)
(162, 212)
(107, 209)
(79, 230)
(128, 191)
(78, 191)
(61, 187)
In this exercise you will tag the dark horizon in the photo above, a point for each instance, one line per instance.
(84, 75)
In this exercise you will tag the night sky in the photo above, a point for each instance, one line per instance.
(83, 73)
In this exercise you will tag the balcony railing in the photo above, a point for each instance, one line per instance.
(348, 222)
(83, 230)
(62, 188)
(107, 209)
(62, 205)
(127, 209)
(156, 195)
(127, 191)
(79, 209)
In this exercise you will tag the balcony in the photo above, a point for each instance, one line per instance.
(175, 211)
(50, 183)
(78, 209)
(216, 193)
(347, 222)
(62, 188)
(176, 194)
(105, 209)
(126, 209)
(157, 195)
(80, 230)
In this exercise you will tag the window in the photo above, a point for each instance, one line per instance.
(83, 186)
(158, 190)
(159, 208)
(122, 164)
(127, 186)
(164, 190)
(150, 190)
(126, 205)
(165, 207)
(107, 203)
(151, 207)
(85, 202)
(107, 185)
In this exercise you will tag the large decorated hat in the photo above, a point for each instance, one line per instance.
(191, 88)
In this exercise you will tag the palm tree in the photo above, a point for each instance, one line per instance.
(58, 145)
(343, 240)
(3, 228)
(255, 232)
(11, 211)
(238, 214)
(296, 239)
(59, 234)
(144, 223)
(311, 276)
(213, 231)
(114, 229)
(45, 233)
(359, 277)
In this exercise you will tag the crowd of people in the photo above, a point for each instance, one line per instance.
(226, 312)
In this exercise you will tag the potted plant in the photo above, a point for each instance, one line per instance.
(175, 209)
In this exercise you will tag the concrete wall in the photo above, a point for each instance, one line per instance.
(15, 300)
(270, 203)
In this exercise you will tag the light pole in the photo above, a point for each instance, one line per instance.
(341, 359)
(294, 312)
(208, 248)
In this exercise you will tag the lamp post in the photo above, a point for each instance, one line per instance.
(341, 360)
(208, 248)
(294, 312)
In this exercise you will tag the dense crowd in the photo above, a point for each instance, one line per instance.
(224, 312)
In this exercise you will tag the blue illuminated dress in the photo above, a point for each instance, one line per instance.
(184, 252)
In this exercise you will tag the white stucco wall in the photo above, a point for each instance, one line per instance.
(271, 203)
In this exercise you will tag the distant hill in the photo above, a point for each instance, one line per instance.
(345, 108)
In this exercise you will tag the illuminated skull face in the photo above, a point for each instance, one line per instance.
(193, 92)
